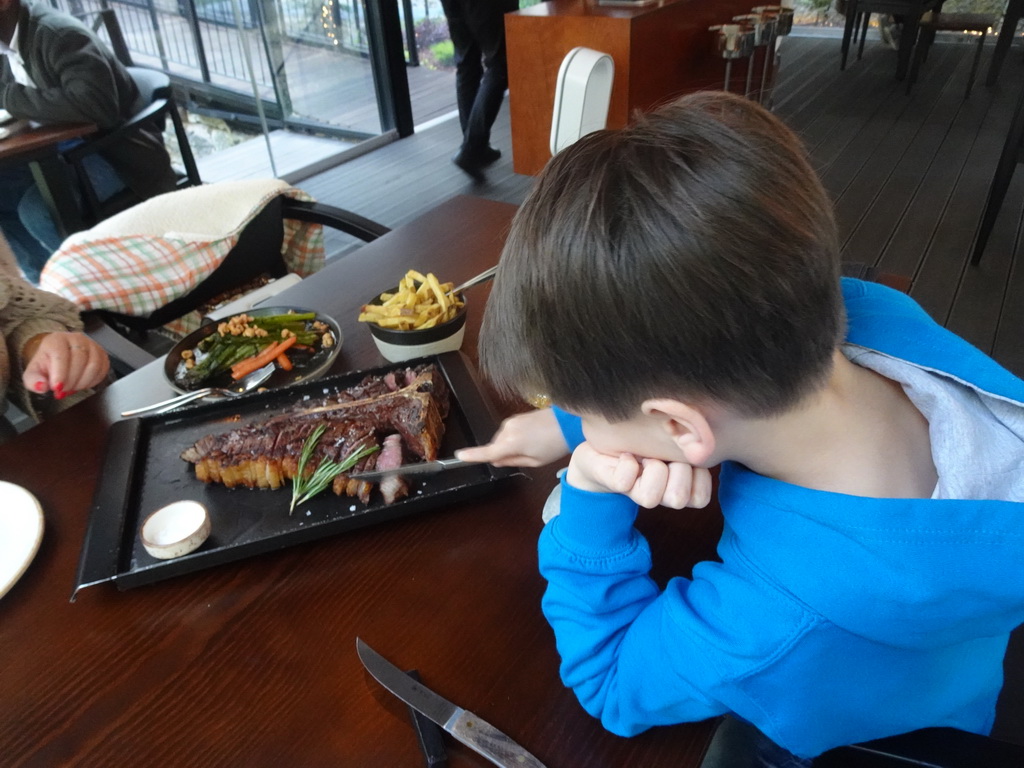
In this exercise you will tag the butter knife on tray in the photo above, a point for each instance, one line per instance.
(471, 730)
(418, 468)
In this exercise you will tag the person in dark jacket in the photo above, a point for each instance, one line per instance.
(477, 30)
(55, 70)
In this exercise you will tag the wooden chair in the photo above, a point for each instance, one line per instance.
(932, 22)
(735, 743)
(910, 10)
(155, 104)
(256, 256)
(927, 748)
(1012, 154)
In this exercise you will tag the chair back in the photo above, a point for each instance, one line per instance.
(927, 748)
(582, 95)
(154, 95)
(156, 92)
(257, 253)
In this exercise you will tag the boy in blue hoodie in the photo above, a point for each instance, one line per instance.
(674, 288)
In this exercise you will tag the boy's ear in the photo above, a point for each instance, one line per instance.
(687, 425)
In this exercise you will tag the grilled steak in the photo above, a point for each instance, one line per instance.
(403, 410)
(390, 457)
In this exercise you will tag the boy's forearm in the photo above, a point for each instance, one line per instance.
(597, 585)
(601, 602)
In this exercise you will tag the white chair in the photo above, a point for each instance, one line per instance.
(582, 95)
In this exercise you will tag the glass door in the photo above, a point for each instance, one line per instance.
(273, 87)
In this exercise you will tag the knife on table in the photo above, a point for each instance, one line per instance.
(419, 468)
(429, 734)
(473, 731)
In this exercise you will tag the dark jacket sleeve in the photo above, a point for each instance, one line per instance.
(75, 81)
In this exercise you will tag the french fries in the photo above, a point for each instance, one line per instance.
(420, 302)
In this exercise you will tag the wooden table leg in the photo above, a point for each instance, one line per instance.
(908, 39)
(54, 182)
(1014, 10)
(851, 21)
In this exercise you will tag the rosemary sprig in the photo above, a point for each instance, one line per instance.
(305, 488)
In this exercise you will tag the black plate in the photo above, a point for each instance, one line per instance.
(307, 367)
(143, 471)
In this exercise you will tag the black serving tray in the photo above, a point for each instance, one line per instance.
(143, 471)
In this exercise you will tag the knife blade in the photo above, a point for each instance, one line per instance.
(419, 468)
(473, 731)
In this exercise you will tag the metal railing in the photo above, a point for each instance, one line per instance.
(237, 56)
(201, 39)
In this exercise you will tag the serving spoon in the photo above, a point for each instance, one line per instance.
(487, 274)
(245, 384)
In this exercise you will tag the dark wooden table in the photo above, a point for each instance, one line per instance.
(253, 663)
(38, 147)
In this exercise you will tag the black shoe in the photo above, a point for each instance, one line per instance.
(469, 164)
(473, 163)
(489, 155)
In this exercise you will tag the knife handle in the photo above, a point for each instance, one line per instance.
(482, 737)
(429, 734)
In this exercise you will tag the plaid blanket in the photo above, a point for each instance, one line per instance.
(139, 260)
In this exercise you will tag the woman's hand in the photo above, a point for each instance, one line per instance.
(648, 482)
(530, 439)
(63, 363)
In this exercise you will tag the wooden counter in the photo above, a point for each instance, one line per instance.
(660, 51)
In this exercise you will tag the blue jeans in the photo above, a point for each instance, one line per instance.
(25, 218)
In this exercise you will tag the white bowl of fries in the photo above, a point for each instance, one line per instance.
(421, 316)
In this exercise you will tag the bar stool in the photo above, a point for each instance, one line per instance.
(782, 18)
(763, 26)
(734, 41)
(934, 21)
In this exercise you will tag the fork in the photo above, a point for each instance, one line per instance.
(247, 384)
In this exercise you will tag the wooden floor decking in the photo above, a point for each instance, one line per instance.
(909, 176)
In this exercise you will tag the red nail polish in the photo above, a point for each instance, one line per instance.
(40, 386)
(59, 387)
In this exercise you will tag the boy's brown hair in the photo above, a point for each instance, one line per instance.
(692, 254)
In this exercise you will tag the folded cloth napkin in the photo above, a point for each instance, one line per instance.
(159, 250)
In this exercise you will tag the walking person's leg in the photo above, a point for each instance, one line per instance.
(468, 65)
(486, 22)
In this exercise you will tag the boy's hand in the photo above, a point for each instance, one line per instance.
(648, 482)
(530, 439)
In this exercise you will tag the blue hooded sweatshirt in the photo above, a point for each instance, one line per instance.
(830, 620)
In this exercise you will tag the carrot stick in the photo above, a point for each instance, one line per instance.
(245, 361)
(247, 366)
(283, 362)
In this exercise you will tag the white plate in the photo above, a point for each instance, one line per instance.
(21, 530)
